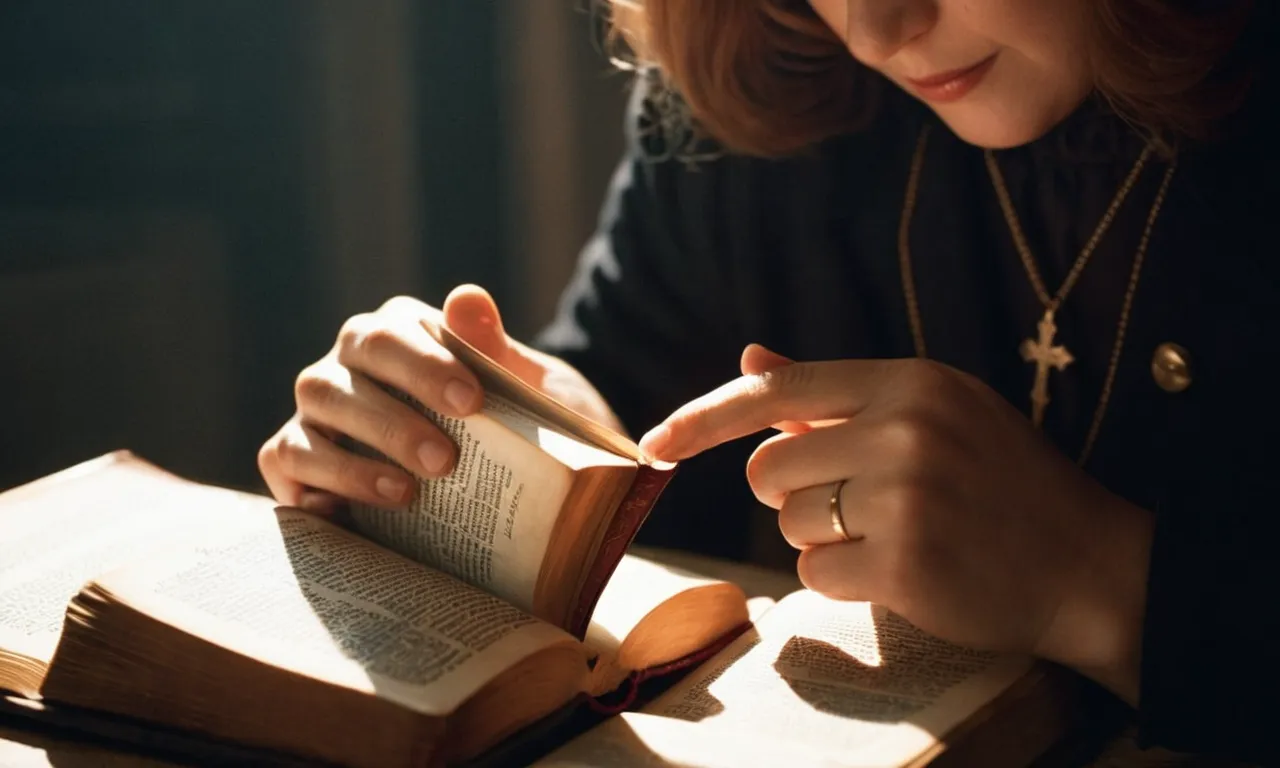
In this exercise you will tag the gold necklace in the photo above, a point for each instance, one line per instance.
(1040, 351)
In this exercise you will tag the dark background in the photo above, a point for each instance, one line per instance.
(193, 196)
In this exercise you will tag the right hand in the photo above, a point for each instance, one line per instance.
(303, 463)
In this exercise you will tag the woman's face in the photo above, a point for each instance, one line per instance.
(999, 72)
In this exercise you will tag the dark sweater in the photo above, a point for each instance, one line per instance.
(694, 260)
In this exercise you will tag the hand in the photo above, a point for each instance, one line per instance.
(304, 464)
(967, 522)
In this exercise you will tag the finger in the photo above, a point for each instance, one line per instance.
(844, 571)
(283, 488)
(472, 314)
(310, 459)
(805, 518)
(785, 463)
(799, 392)
(760, 359)
(334, 398)
(757, 358)
(393, 347)
(318, 502)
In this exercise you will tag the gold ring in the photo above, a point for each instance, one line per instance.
(837, 514)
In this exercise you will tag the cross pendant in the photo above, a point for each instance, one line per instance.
(1045, 356)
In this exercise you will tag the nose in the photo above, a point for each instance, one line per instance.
(875, 30)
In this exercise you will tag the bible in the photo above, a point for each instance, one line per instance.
(129, 591)
(817, 682)
(191, 609)
(539, 508)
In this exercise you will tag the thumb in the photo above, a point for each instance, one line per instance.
(472, 314)
(757, 359)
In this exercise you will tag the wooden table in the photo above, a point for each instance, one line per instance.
(23, 748)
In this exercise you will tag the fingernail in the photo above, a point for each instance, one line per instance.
(391, 488)
(656, 440)
(434, 457)
(459, 395)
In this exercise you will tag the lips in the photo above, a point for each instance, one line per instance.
(952, 85)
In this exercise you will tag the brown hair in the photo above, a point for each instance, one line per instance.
(769, 77)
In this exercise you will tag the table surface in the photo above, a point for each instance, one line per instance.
(26, 749)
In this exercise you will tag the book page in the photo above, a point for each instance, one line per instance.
(60, 532)
(571, 451)
(756, 581)
(757, 607)
(639, 740)
(489, 522)
(849, 679)
(496, 379)
(636, 588)
(305, 595)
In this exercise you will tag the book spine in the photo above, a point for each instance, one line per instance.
(630, 515)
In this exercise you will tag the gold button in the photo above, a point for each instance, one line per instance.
(1171, 368)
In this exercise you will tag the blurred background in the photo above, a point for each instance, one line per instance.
(194, 196)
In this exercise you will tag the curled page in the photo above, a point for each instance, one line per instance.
(317, 600)
(490, 521)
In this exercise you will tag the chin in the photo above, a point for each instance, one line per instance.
(1000, 121)
(1000, 129)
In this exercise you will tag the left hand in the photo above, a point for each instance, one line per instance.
(965, 520)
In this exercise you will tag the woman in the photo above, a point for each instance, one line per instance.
(1022, 249)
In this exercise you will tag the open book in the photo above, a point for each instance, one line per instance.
(541, 504)
(823, 683)
(129, 591)
(126, 590)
